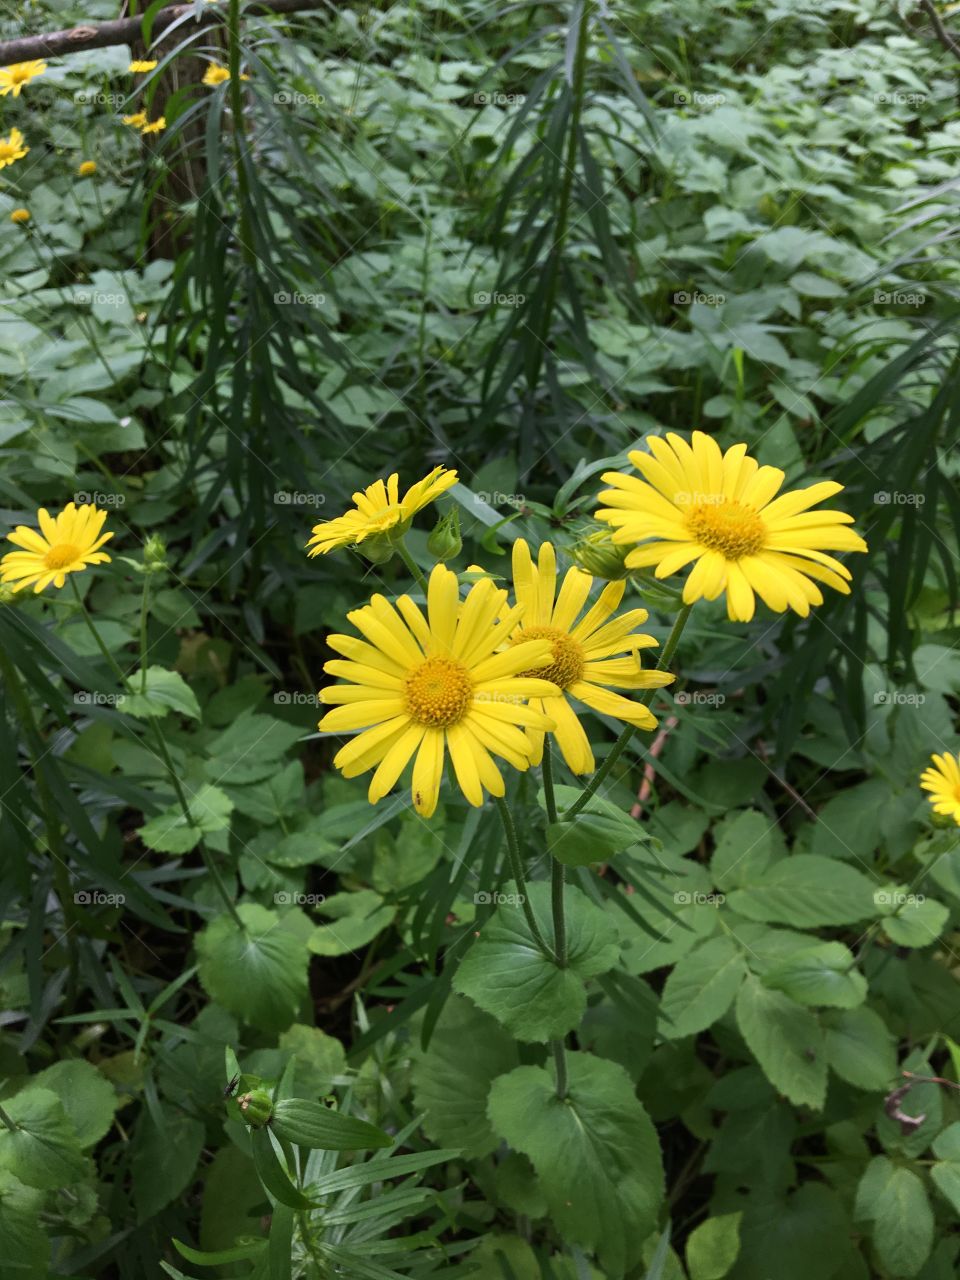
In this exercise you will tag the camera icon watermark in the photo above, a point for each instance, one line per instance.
(694, 898)
(297, 299)
(898, 698)
(496, 499)
(899, 298)
(694, 98)
(899, 98)
(898, 898)
(97, 898)
(291, 98)
(699, 698)
(95, 98)
(93, 698)
(87, 498)
(295, 698)
(892, 498)
(484, 298)
(497, 899)
(697, 298)
(291, 898)
(498, 99)
(294, 498)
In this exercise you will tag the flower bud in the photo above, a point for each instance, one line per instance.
(598, 555)
(445, 542)
(155, 553)
(256, 1107)
(378, 549)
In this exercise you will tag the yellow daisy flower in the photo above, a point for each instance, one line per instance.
(142, 65)
(436, 684)
(20, 215)
(379, 509)
(12, 148)
(721, 511)
(585, 664)
(137, 120)
(65, 544)
(12, 79)
(943, 783)
(87, 168)
(154, 126)
(215, 75)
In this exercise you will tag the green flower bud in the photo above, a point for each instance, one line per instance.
(7, 594)
(597, 554)
(155, 552)
(445, 542)
(378, 549)
(256, 1107)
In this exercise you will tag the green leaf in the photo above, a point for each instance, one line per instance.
(164, 1160)
(508, 976)
(451, 1079)
(894, 1199)
(701, 987)
(596, 834)
(250, 749)
(319, 1057)
(359, 918)
(311, 1124)
(910, 919)
(43, 1150)
(258, 972)
(595, 1152)
(165, 691)
(819, 975)
(24, 1243)
(713, 1247)
(806, 891)
(746, 844)
(88, 1098)
(946, 1173)
(271, 1172)
(403, 860)
(170, 832)
(860, 1048)
(787, 1042)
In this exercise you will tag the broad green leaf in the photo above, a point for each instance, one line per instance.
(507, 975)
(712, 1247)
(786, 1040)
(597, 833)
(946, 1172)
(171, 832)
(165, 691)
(860, 1048)
(819, 975)
(250, 749)
(894, 1199)
(311, 1124)
(318, 1056)
(451, 1078)
(257, 971)
(88, 1098)
(595, 1152)
(43, 1150)
(806, 891)
(164, 1159)
(701, 987)
(746, 844)
(358, 918)
(403, 860)
(24, 1242)
(272, 1173)
(910, 919)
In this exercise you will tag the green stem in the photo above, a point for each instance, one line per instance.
(168, 765)
(412, 565)
(560, 1061)
(7, 1122)
(143, 632)
(558, 875)
(615, 752)
(513, 851)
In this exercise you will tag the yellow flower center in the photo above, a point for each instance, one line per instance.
(567, 665)
(61, 555)
(7, 150)
(438, 692)
(727, 527)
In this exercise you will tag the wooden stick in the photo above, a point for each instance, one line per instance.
(128, 30)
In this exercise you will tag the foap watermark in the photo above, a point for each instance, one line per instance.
(97, 898)
(291, 898)
(894, 498)
(898, 898)
(83, 297)
(294, 498)
(95, 98)
(513, 699)
(694, 98)
(691, 498)
(295, 698)
(899, 298)
(297, 299)
(899, 98)
(497, 499)
(699, 698)
(697, 298)
(897, 698)
(497, 899)
(495, 299)
(498, 99)
(93, 698)
(292, 98)
(695, 898)
(94, 498)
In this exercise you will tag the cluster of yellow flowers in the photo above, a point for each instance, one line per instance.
(12, 80)
(486, 677)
